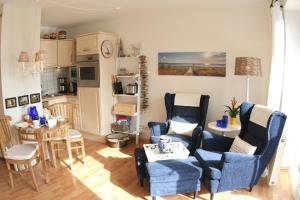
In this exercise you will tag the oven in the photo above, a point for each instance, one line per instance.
(88, 70)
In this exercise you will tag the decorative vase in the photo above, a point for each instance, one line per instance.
(233, 120)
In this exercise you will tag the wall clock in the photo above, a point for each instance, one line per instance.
(107, 48)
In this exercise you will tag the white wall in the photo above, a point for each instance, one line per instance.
(20, 32)
(237, 30)
(291, 98)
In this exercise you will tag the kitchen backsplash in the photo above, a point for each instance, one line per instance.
(49, 79)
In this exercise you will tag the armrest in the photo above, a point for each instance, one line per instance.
(215, 142)
(158, 128)
(196, 136)
(232, 157)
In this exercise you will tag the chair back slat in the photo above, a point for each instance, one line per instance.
(65, 110)
(5, 132)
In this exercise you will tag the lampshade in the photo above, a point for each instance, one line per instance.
(248, 66)
(23, 57)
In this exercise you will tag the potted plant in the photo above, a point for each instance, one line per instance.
(233, 111)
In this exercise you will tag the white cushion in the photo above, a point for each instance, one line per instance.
(184, 99)
(21, 151)
(74, 133)
(240, 146)
(260, 115)
(182, 128)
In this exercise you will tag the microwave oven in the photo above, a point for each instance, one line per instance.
(88, 70)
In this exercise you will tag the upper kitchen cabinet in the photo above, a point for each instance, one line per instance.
(65, 52)
(49, 47)
(58, 52)
(87, 44)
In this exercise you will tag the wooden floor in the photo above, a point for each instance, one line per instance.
(110, 174)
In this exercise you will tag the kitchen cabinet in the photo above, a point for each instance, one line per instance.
(58, 52)
(49, 48)
(87, 44)
(89, 107)
(65, 55)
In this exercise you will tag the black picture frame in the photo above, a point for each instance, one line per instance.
(35, 98)
(10, 102)
(23, 100)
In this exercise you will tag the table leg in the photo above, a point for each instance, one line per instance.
(137, 139)
(69, 153)
(43, 160)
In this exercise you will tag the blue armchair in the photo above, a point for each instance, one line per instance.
(185, 108)
(225, 170)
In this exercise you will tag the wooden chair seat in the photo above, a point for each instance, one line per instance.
(21, 151)
(73, 134)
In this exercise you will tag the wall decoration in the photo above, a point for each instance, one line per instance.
(11, 102)
(144, 83)
(23, 100)
(35, 98)
(192, 63)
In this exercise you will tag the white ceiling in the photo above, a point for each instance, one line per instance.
(67, 13)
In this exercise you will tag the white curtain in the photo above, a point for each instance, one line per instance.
(278, 57)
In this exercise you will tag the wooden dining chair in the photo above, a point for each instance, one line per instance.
(18, 157)
(66, 110)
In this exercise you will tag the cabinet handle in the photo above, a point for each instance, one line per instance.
(85, 49)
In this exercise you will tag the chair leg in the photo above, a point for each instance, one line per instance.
(69, 154)
(53, 154)
(10, 175)
(33, 177)
(82, 148)
(250, 189)
(195, 195)
(212, 196)
(141, 182)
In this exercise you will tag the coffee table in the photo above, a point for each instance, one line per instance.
(179, 151)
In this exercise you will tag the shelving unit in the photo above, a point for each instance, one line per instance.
(133, 66)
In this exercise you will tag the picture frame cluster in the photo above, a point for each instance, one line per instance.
(22, 100)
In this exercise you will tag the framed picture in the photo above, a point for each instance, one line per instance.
(192, 63)
(11, 102)
(35, 98)
(23, 100)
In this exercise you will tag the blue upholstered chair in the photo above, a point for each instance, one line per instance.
(186, 108)
(223, 170)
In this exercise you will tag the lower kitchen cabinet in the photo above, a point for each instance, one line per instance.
(89, 107)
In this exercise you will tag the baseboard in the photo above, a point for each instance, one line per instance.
(93, 137)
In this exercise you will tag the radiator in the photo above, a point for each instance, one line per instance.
(275, 163)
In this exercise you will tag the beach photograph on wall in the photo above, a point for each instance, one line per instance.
(192, 63)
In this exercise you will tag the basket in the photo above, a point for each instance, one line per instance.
(115, 127)
(117, 140)
(124, 109)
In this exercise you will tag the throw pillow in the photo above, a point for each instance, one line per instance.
(182, 128)
(240, 146)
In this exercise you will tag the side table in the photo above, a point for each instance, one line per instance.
(230, 128)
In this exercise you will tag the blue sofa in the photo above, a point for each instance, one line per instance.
(182, 113)
(224, 170)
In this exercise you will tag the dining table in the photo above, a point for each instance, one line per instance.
(44, 134)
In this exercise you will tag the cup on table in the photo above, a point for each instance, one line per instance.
(43, 120)
(52, 122)
(219, 123)
(224, 121)
(36, 123)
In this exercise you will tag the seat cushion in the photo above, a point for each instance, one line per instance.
(74, 133)
(174, 170)
(185, 140)
(211, 163)
(21, 151)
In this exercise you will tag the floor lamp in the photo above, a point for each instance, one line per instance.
(248, 66)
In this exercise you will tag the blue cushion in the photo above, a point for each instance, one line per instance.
(184, 139)
(211, 163)
(174, 170)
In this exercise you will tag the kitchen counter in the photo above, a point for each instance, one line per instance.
(61, 98)
(50, 97)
